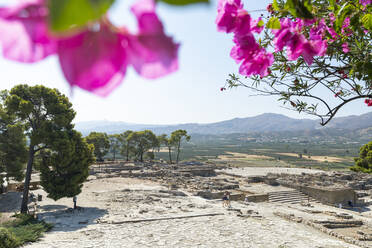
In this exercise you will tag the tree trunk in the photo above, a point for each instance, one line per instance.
(26, 186)
(114, 154)
(170, 155)
(127, 151)
(178, 150)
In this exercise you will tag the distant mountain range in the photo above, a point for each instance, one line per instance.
(262, 123)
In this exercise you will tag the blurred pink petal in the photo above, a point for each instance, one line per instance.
(152, 53)
(227, 17)
(24, 32)
(94, 60)
(313, 48)
(365, 2)
(148, 21)
(295, 46)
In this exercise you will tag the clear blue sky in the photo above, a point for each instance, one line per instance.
(190, 95)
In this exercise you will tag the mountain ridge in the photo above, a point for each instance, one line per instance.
(267, 122)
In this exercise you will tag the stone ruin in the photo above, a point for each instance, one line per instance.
(332, 189)
(201, 178)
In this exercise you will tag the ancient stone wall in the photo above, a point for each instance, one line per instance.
(258, 198)
(330, 196)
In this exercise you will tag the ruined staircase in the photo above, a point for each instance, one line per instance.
(289, 197)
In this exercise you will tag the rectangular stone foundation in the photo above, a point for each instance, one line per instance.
(234, 196)
(331, 196)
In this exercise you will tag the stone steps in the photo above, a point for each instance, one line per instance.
(292, 196)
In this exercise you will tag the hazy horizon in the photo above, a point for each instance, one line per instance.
(202, 123)
(191, 95)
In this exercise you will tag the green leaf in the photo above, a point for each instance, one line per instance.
(299, 8)
(332, 4)
(69, 14)
(344, 11)
(367, 21)
(275, 5)
(273, 23)
(183, 2)
(260, 23)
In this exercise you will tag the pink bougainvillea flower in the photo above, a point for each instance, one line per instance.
(317, 32)
(365, 2)
(151, 52)
(257, 25)
(227, 17)
(258, 64)
(368, 102)
(244, 48)
(332, 32)
(314, 48)
(282, 35)
(94, 60)
(332, 17)
(253, 58)
(24, 32)
(297, 44)
(345, 47)
(345, 30)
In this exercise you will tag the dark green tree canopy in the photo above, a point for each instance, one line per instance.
(101, 144)
(44, 116)
(364, 162)
(65, 166)
(176, 139)
(40, 109)
(13, 153)
(164, 140)
(126, 147)
(116, 143)
(141, 142)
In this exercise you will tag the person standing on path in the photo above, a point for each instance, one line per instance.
(226, 199)
(74, 199)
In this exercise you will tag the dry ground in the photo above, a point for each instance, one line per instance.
(237, 156)
(317, 158)
(109, 200)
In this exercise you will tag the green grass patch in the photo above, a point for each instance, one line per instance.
(25, 228)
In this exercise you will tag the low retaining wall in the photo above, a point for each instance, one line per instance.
(258, 198)
(234, 196)
(330, 196)
(218, 195)
(19, 186)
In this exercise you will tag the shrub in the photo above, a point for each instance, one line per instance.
(7, 239)
(25, 228)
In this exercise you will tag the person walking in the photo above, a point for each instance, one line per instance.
(226, 199)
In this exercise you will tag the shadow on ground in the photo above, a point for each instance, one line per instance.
(10, 202)
(52, 207)
(361, 209)
(66, 219)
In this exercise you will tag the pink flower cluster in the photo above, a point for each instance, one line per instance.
(95, 58)
(254, 59)
(368, 102)
(290, 36)
(365, 2)
(232, 18)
